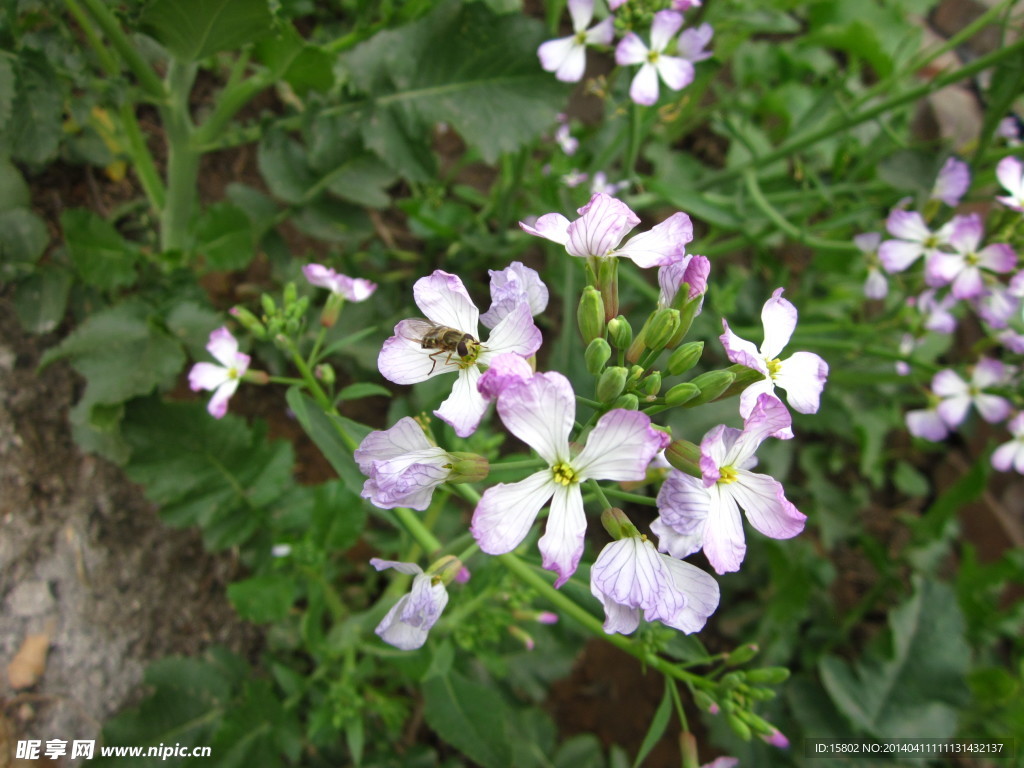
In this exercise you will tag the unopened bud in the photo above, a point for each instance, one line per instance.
(467, 467)
(704, 701)
(620, 332)
(635, 372)
(712, 384)
(627, 402)
(256, 377)
(681, 393)
(269, 307)
(331, 310)
(768, 675)
(732, 680)
(249, 321)
(617, 524)
(590, 314)
(663, 326)
(758, 724)
(446, 569)
(290, 295)
(761, 694)
(684, 456)
(690, 309)
(325, 373)
(611, 383)
(688, 749)
(598, 353)
(651, 385)
(742, 655)
(744, 378)
(684, 358)
(740, 728)
(608, 281)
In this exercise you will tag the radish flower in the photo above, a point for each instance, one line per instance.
(567, 56)
(223, 379)
(675, 71)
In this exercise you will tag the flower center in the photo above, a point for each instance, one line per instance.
(971, 258)
(580, 38)
(774, 366)
(652, 57)
(564, 474)
(931, 241)
(727, 475)
(232, 373)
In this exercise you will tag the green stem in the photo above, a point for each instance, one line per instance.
(794, 232)
(232, 98)
(121, 43)
(516, 464)
(411, 522)
(182, 160)
(636, 498)
(845, 122)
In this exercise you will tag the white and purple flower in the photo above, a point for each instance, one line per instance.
(1010, 455)
(711, 520)
(444, 301)
(958, 395)
(1010, 173)
(350, 288)
(567, 56)
(223, 379)
(511, 286)
(876, 286)
(952, 183)
(912, 240)
(408, 622)
(963, 267)
(691, 269)
(540, 411)
(603, 222)
(802, 375)
(675, 71)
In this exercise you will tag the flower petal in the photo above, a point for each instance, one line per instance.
(663, 28)
(465, 406)
(411, 569)
(764, 502)
(675, 543)
(701, 592)
(661, 245)
(207, 376)
(540, 412)
(897, 255)
(602, 224)
(515, 332)
(677, 73)
(741, 351)
(218, 404)
(644, 88)
(724, 543)
(510, 286)
(561, 546)
(403, 360)
(506, 511)
(803, 376)
(573, 66)
(550, 226)
(224, 347)
(404, 437)
(553, 53)
(620, 447)
(443, 299)
(632, 50)
(504, 371)
(779, 319)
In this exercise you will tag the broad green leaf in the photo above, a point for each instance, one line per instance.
(23, 238)
(363, 389)
(41, 299)
(471, 717)
(290, 58)
(35, 134)
(7, 93)
(581, 751)
(194, 29)
(13, 189)
(915, 683)
(99, 254)
(282, 163)
(191, 324)
(224, 237)
(264, 598)
(338, 517)
(484, 82)
(327, 432)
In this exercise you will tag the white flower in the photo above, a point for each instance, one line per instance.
(567, 56)
(675, 71)
(223, 379)
(407, 623)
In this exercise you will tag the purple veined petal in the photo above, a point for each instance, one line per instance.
(404, 437)
(510, 286)
(554, 53)
(397, 634)
(661, 245)
(692, 43)
(620, 447)
(968, 284)
(674, 543)
(947, 383)
(602, 33)
(465, 407)
(550, 226)
(443, 299)
(897, 255)
(573, 66)
(224, 348)
(724, 543)
(867, 242)
(631, 572)
(953, 410)
(749, 398)
(697, 276)
(561, 546)
(360, 289)
(506, 511)
(632, 50)
(410, 569)
(408, 480)
(952, 182)
(741, 351)
(926, 424)
(764, 502)
(207, 376)
(803, 376)
(779, 319)
(603, 222)
(218, 404)
(967, 232)
(989, 372)
(505, 370)
(540, 412)
(515, 332)
(671, 277)
(714, 448)
(683, 504)
(664, 28)
(769, 417)
(675, 72)
(426, 602)
(618, 619)
(992, 408)
(404, 361)
(644, 88)
(907, 225)
(998, 257)
(701, 592)
(581, 12)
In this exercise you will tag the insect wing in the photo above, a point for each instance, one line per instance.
(417, 329)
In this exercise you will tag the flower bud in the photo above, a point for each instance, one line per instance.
(467, 467)
(611, 383)
(684, 358)
(742, 655)
(712, 384)
(681, 393)
(684, 456)
(688, 749)
(628, 402)
(325, 373)
(256, 377)
(617, 524)
(768, 675)
(738, 726)
(744, 378)
(249, 321)
(597, 354)
(446, 569)
(635, 372)
(608, 282)
(331, 310)
(651, 385)
(290, 295)
(690, 309)
(704, 701)
(758, 724)
(620, 332)
(761, 694)
(663, 326)
(269, 307)
(590, 314)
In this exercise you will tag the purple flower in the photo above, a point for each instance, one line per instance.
(913, 240)
(876, 286)
(963, 267)
(603, 222)
(936, 311)
(223, 379)
(996, 304)
(540, 412)
(688, 268)
(675, 71)
(351, 288)
(402, 466)
(630, 576)
(1010, 173)
(693, 42)
(958, 395)
(567, 56)
(726, 459)
(927, 423)
(515, 284)
(505, 370)
(802, 375)
(952, 182)
(407, 623)
(600, 185)
(564, 138)
(444, 301)
(1010, 455)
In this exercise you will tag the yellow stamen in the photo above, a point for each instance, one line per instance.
(564, 474)
(727, 475)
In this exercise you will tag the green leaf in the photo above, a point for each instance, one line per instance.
(917, 683)
(658, 725)
(99, 254)
(191, 323)
(7, 95)
(194, 29)
(13, 189)
(338, 518)
(23, 238)
(326, 431)
(471, 717)
(282, 163)
(363, 389)
(264, 598)
(41, 299)
(484, 82)
(224, 236)
(35, 135)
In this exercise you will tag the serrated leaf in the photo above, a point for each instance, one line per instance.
(282, 163)
(99, 254)
(224, 237)
(484, 82)
(264, 598)
(469, 716)
(194, 29)
(917, 684)
(338, 517)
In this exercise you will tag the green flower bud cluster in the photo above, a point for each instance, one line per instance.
(287, 320)
(740, 690)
